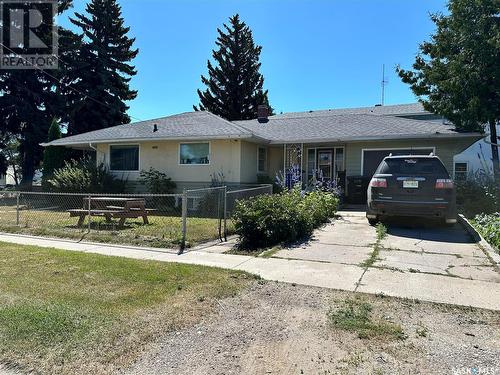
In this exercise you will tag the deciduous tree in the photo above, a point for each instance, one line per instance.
(457, 73)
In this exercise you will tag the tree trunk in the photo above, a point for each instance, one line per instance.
(28, 168)
(494, 149)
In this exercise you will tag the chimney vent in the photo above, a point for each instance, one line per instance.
(262, 113)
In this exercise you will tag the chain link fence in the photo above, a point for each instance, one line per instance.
(156, 220)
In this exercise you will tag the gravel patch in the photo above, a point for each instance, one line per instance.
(274, 328)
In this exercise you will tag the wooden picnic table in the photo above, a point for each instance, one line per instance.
(112, 208)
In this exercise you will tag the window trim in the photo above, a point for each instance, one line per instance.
(125, 144)
(265, 170)
(194, 142)
(389, 149)
(466, 169)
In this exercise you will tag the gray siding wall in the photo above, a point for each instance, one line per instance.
(445, 149)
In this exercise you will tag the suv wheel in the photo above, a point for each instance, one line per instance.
(373, 222)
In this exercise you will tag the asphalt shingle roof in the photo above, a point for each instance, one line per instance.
(335, 127)
(386, 110)
(318, 126)
(189, 125)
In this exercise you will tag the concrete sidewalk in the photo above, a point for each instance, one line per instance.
(426, 287)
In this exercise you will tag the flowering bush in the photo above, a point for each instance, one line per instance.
(489, 227)
(267, 220)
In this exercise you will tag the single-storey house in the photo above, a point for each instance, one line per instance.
(193, 147)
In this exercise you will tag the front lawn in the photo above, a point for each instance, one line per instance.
(162, 231)
(69, 312)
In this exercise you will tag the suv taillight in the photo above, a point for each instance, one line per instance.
(378, 182)
(444, 183)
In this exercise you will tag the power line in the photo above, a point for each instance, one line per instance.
(62, 83)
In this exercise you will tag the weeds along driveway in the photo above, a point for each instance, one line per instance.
(413, 259)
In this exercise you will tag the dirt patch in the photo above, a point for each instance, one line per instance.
(275, 328)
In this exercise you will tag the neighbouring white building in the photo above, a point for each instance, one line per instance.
(475, 159)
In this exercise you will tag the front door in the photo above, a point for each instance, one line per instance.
(325, 164)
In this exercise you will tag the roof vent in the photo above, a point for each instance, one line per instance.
(378, 105)
(262, 113)
(155, 128)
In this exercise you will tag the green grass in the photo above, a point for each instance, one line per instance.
(356, 315)
(381, 231)
(162, 231)
(69, 312)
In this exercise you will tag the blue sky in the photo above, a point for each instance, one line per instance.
(316, 54)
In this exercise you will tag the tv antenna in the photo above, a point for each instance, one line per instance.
(384, 82)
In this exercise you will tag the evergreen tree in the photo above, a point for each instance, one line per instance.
(103, 72)
(234, 84)
(29, 99)
(53, 156)
(457, 73)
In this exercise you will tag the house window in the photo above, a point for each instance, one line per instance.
(461, 171)
(194, 153)
(262, 159)
(124, 158)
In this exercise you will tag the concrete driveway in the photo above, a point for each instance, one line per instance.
(414, 254)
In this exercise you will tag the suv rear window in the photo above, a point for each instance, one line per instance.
(412, 166)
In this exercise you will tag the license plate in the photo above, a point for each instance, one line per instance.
(409, 184)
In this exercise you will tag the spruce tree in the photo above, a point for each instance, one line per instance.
(234, 84)
(29, 99)
(53, 156)
(104, 71)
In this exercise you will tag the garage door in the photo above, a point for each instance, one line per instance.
(372, 158)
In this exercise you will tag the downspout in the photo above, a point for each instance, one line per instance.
(96, 152)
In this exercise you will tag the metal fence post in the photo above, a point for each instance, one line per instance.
(184, 219)
(219, 216)
(225, 213)
(17, 208)
(90, 217)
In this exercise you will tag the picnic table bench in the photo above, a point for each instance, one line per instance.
(112, 208)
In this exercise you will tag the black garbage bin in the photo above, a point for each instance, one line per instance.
(357, 187)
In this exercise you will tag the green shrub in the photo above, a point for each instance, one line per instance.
(267, 220)
(85, 176)
(478, 194)
(157, 182)
(489, 227)
(321, 206)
